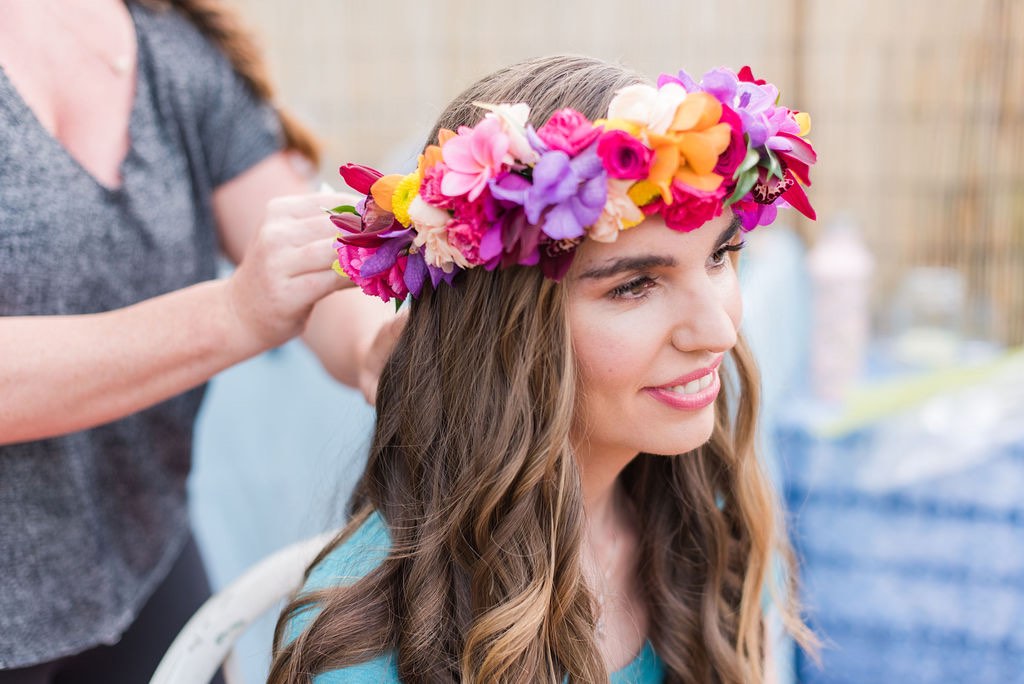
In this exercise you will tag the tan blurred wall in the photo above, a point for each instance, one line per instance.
(918, 107)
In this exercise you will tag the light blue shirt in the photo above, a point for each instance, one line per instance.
(365, 550)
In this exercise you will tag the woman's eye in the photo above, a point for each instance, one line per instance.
(719, 257)
(634, 289)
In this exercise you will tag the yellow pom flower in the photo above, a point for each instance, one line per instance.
(643, 192)
(405, 193)
(627, 224)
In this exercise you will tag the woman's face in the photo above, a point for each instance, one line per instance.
(651, 316)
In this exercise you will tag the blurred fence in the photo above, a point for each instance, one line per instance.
(918, 107)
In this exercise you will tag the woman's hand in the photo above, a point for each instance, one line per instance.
(286, 269)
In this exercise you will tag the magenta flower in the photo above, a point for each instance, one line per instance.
(569, 131)
(623, 155)
(734, 155)
(473, 157)
(753, 214)
(387, 283)
(470, 221)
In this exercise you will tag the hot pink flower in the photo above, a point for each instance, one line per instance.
(569, 131)
(387, 284)
(469, 224)
(473, 157)
(734, 155)
(623, 156)
(690, 208)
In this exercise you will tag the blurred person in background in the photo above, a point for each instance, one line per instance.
(136, 139)
(563, 483)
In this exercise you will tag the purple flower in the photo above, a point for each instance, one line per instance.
(572, 192)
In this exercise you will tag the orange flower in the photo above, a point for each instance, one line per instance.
(688, 151)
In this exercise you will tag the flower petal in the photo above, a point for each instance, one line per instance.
(383, 189)
(359, 177)
(384, 257)
(415, 273)
(796, 196)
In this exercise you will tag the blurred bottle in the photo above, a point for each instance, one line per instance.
(840, 266)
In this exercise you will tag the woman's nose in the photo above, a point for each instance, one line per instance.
(707, 321)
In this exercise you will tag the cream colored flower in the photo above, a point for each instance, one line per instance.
(619, 213)
(431, 226)
(653, 107)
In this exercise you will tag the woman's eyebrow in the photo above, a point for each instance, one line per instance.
(730, 232)
(634, 263)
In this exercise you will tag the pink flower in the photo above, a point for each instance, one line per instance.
(473, 157)
(430, 188)
(569, 131)
(513, 119)
(466, 238)
(387, 284)
(623, 156)
(690, 208)
(734, 155)
(469, 224)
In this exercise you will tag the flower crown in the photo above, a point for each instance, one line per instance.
(500, 193)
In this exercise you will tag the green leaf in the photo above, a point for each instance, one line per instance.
(344, 209)
(749, 162)
(746, 181)
(774, 167)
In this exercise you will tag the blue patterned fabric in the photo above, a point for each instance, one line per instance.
(908, 579)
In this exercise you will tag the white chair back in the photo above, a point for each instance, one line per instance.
(206, 641)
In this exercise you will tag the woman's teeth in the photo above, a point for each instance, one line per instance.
(694, 386)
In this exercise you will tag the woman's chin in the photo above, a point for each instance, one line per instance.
(694, 437)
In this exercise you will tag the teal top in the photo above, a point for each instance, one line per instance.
(365, 550)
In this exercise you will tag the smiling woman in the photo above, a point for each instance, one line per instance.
(652, 316)
(562, 483)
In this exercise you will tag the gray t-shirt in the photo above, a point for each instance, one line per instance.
(91, 522)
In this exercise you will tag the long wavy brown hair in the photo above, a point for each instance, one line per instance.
(472, 470)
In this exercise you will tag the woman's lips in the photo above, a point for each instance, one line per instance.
(691, 391)
(677, 396)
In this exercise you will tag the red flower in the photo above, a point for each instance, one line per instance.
(747, 75)
(690, 208)
(360, 178)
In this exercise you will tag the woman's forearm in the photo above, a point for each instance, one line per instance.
(59, 374)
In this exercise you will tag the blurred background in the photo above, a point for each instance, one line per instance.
(888, 332)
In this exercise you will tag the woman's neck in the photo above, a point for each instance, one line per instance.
(610, 551)
(599, 475)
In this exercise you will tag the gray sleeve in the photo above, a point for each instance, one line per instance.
(237, 130)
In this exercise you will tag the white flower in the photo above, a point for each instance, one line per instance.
(653, 107)
(513, 118)
(431, 226)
